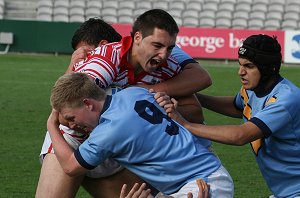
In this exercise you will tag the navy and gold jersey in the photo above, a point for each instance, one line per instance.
(277, 114)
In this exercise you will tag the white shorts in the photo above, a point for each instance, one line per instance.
(220, 185)
(74, 139)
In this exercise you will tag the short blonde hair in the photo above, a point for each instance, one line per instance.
(71, 89)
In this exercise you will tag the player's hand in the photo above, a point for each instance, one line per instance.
(78, 55)
(53, 120)
(137, 191)
(203, 189)
(170, 105)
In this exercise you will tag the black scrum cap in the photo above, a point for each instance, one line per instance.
(264, 51)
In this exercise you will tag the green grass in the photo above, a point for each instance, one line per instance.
(26, 81)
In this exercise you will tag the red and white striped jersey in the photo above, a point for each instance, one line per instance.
(108, 65)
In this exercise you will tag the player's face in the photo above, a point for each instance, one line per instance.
(80, 119)
(249, 74)
(154, 49)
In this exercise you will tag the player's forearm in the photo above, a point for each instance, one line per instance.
(191, 80)
(63, 151)
(191, 113)
(220, 104)
(190, 108)
(228, 134)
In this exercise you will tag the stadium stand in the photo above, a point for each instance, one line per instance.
(255, 24)
(194, 5)
(77, 11)
(245, 1)
(228, 6)
(239, 23)
(61, 11)
(289, 25)
(223, 23)
(190, 22)
(243, 6)
(224, 14)
(257, 15)
(127, 4)
(180, 5)
(20, 10)
(1, 9)
(240, 15)
(207, 22)
(44, 10)
(164, 5)
(93, 9)
(291, 16)
(272, 24)
(253, 14)
(275, 15)
(210, 5)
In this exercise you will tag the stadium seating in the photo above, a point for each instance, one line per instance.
(77, 11)
(93, 9)
(223, 23)
(61, 11)
(1, 9)
(239, 23)
(252, 14)
(44, 10)
(255, 24)
(272, 24)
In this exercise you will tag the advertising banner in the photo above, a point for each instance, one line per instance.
(292, 47)
(212, 43)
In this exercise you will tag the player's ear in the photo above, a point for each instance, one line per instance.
(102, 42)
(88, 103)
(137, 37)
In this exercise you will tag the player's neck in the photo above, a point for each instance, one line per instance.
(132, 59)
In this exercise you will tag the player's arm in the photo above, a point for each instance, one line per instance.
(227, 134)
(220, 104)
(64, 153)
(190, 108)
(192, 79)
(100, 68)
(78, 55)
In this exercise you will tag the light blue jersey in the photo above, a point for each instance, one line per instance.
(181, 57)
(277, 114)
(135, 131)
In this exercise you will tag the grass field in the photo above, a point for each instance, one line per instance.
(26, 81)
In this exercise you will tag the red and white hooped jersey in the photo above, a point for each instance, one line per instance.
(108, 65)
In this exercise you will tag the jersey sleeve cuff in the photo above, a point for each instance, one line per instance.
(235, 105)
(81, 161)
(184, 63)
(263, 127)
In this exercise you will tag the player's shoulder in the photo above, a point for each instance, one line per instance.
(112, 89)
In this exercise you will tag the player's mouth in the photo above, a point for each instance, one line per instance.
(155, 62)
(244, 81)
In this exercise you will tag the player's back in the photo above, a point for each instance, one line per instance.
(150, 144)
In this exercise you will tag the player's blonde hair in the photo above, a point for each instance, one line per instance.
(71, 89)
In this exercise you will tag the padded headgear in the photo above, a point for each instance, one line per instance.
(264, 51)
